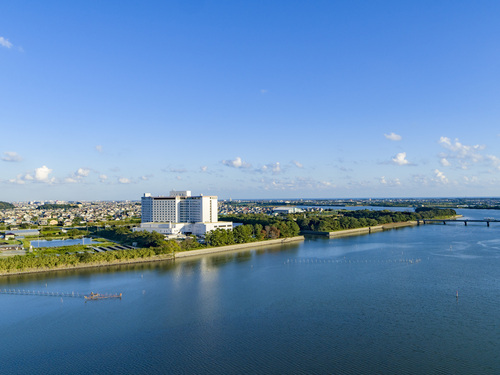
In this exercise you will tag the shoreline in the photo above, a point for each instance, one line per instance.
(241, 246)
(227, 248)
(156, 258)
(369, 230)
(160, 258)
(364, 230)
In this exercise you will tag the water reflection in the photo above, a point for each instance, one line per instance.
(351, 305)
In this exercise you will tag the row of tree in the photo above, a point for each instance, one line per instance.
(30, 261)
(252, 232)
(368, 218)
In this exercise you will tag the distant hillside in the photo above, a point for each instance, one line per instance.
(5, 205)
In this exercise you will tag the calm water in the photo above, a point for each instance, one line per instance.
(383, 303)
(56, 243)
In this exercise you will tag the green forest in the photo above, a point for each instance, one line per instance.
(330, 221)
(369, 218)
(6, 206)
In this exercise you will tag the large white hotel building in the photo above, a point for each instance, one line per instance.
(180, 213)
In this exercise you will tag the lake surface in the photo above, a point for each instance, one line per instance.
(56, 243)
(383, 303)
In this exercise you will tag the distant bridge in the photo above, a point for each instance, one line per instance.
(465, 221)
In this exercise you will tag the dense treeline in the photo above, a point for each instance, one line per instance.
(219, 237)
(287, 227)
(6, 205)
(434, 212)
(252, 232)
(30, 261)
(368, 218)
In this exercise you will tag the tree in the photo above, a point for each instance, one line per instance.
(189, 243)
(243, 233)
(219, 237)
(258, 232)
(74, 232)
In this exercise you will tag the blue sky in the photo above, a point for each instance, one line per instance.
(249, 99)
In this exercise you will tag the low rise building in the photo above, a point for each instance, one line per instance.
(287, 210)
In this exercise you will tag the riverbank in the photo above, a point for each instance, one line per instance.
(361, 231)
(159, 258)
(214, 250)
(369, 230)
(156, 258)
(242, 246)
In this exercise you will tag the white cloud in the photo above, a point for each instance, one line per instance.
(123, 180)
(5, 43)
(98, 148)
(394, 182)
(204, 168)
(11, 156)
(77, 176)
(299, 183)
(42, 174)
(297, 164)
(445, 162)
(18, 180)
(103, 177)
(470, 180)
(393, 137)
(274, 168)
(236, 163)
(82, 172)
(440, 176)
(465, 154)
(400, 159)
(495, 161)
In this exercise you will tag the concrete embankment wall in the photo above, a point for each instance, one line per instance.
(243, 246)
(359, 231)
(356, 231)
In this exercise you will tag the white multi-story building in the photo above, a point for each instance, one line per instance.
(180, 213)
